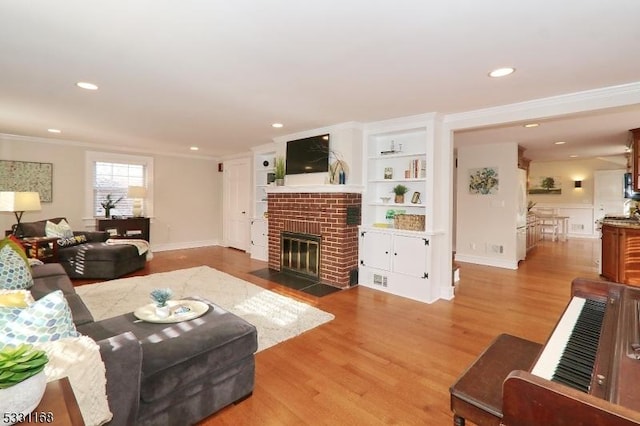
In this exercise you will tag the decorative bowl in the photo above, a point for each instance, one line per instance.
(385, 199)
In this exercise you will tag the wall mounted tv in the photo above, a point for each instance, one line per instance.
(308, 155)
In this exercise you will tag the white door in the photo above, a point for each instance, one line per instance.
(608, 193)
(237, 203)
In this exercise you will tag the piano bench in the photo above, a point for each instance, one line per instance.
(477, 394)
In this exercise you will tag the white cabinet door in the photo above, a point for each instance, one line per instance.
(376, 250)
(259, 232)
(410, 255)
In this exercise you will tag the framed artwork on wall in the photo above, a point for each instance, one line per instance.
(27, 176)
(484, 181)
(545, 185)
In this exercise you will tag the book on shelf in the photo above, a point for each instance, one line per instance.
(417, 169)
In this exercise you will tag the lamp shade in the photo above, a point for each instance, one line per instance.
(19, 201)
(137, 192)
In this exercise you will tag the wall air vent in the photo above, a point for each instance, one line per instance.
(380, 280)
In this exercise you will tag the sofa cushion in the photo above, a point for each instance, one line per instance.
(15, 272)
(47, 319)
(37, 229)
(177, 355)
(98, 252)
(59, 230)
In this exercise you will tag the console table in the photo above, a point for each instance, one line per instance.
(130, 227)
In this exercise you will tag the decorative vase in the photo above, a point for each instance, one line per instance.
(399, 198)
(279, 182)
(21, 399)
(163, 311)
(107, 213)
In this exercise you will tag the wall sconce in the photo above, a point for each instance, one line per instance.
(577, 184)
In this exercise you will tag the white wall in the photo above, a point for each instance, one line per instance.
(187, 191)
(487, 222)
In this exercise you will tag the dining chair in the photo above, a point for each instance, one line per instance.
(548, 222)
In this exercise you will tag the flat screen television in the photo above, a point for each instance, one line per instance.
(308, 155)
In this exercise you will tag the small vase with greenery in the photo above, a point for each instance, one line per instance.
(400, 190)
(22, 380)
(160, 297)
(109, 204)
(19, 363)
(279, 170)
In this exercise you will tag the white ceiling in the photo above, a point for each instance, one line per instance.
(216, 74)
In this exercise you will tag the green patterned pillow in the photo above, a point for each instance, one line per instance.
(46, 320)
(15, 272)
(12, 302)
(60, 230)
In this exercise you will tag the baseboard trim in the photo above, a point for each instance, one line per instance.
(183, 245)
(487, 261)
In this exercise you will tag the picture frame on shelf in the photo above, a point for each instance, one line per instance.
(388, 172)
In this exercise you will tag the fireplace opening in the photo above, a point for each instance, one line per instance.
(300, 254)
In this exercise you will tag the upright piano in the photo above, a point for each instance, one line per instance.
(588, 372)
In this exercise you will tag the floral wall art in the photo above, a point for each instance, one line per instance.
(27, 176)
(484, 181)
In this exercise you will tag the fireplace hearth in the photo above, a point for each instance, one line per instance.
(314, 235)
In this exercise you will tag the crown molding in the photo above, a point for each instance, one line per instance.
(588, 100)
(95, 146)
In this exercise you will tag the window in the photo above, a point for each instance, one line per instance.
(113, 174)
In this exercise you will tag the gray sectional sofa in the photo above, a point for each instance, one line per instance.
(205, 365)
(93, 259)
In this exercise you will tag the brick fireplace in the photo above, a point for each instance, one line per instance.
(332, 216)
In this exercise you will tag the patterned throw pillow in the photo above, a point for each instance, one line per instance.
(73, 241)
(15, 272)
(12, 302)
(60, 230)
(46, 320)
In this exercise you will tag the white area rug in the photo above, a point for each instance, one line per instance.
(276, 317)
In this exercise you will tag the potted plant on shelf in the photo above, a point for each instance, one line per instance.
(279, 170)
(22, 379)
(400, 190)
(109, 204)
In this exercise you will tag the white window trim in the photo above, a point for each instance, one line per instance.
(91, 157)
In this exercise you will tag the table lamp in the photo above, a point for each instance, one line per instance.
(18, 203)
(137, 194)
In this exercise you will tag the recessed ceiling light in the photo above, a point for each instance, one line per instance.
(560, 143)
(194, 148)
(86, 85)
(277, 125)
(573, 156)
(501, 72)
(530, 125)
(54, 130)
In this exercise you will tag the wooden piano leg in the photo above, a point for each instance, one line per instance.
(457, 420)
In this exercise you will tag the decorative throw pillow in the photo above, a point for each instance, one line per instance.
(15, 272)
(60, 230)
(45, 320)
(73, 241)
(79, 359)
(12, 302)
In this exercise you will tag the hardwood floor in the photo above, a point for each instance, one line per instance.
(386, 359)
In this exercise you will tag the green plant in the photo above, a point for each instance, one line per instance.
(19, 363)
(279, 168)
(160, 296)
(400, 189)
(109, 203)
